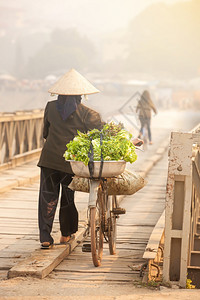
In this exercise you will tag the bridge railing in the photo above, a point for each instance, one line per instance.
(182, 212)
(20, 137)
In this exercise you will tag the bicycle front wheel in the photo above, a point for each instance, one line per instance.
(96, 226)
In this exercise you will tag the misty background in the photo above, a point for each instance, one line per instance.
(122, 47)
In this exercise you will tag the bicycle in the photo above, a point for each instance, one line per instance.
(103, 208)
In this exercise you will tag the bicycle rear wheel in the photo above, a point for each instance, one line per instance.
(96, 225)
(112, 228)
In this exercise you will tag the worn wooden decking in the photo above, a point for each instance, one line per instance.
(19, 233)
(19, 220)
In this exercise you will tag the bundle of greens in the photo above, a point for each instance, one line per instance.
(116, 145)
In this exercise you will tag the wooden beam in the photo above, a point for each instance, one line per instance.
(155, 238)
(42, 262)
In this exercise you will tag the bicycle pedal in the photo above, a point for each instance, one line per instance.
(119, 211)
(86, 248)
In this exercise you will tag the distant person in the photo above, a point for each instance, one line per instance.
(144, 107)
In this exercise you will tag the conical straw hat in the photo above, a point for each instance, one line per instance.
(73, 83)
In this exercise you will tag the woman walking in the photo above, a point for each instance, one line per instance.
(144, 108)
(62, 118)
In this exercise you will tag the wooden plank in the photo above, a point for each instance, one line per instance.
(105, 268)
(7, 263)
(12, 254)
(155, 238)
(150, 221)
(33, 225)
(24, 214)
(18, 205)
(15, 197)
(130, 260)
(3, 274)
(16, 231)
(108, 277)
(21, 223)
(42, 262)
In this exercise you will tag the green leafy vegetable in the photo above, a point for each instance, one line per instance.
(116, 145)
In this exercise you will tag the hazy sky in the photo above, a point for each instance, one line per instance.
(88, 16)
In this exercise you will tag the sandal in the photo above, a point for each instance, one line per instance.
(46, 245)
(71, 237)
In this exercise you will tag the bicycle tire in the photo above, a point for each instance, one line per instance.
(112, 229)
(96, 232)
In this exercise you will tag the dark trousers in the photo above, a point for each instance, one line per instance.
(145, 122)
(50, 182)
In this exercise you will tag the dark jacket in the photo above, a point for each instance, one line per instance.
(58, 133)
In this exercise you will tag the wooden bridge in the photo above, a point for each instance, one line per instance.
(139, 232)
